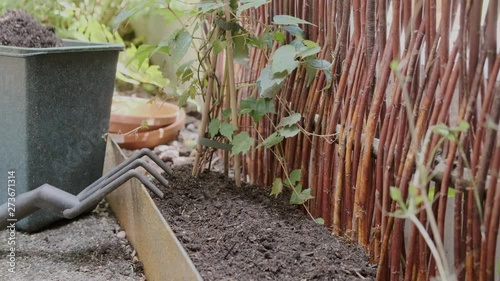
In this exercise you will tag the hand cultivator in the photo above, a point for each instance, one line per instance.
(67, 205)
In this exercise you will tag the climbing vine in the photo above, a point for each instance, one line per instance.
(217, 31)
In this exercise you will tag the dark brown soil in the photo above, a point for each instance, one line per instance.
(242, 233)
(20, 29)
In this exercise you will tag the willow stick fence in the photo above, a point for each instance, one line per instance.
(400, 67)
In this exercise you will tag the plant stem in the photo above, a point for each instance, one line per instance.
(206, 108)
(232, 91)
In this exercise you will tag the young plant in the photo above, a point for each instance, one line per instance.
(225, 44)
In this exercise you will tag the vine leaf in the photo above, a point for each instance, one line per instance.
(213, 127)
(209, 7)
(290, 120)
(320, 221)
(143, 53)
(284, 61)
(184, 72)
(247, 4)
(267, 85)
(320, 64)
(396, 195)
(219, 46)
(289, 20)
(289, 131)
(272, 140)
(294, 30)
(310, 52)
(242, 142)
(277, 187)
(226, 114)
(293, 177)
(227, 130)
(241, 51)
(125, 14)
(257, 108)
(179, 44)
(300, 196)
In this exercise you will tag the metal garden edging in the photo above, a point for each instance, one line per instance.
(163, 256)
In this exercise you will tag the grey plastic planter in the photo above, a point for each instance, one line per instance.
(54, 109)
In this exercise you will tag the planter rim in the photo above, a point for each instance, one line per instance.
(70, 46)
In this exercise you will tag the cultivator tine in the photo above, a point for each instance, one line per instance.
(93, 199)
(143, 152)
(108, 179)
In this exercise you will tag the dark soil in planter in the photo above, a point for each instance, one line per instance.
(17, 28)
(242, 233)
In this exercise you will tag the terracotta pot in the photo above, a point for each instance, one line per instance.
(128, 113)
(151, 138)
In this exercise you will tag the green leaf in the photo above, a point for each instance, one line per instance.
(257, 108)
(301, 196)
(184, 71)
(432, 192)
(267, 85)
(306, 195)
(227, 130)
(227, 25)
(413, 191)
(219, 46)
(247, 4)
(290, 120)
(288, 20)
(310, 44)
(277, 187)
(205, 8)
(289, 131)
(213, 127)
(441, 129)
(179, 45)
(417, 200)
(395, 194)
(320, 221)
(310, 52)
(328, 75)
(226, 114)
(394, 65)
(280, 37)
(185, 95)
(294, 199)
(263, 107)
(293, 177)
(241, 51)
(463, 126)
(294, 30)
(242, 142)
(272, 140)
(125, 14)
(320, 64)
(284, 60)
(310, 74)
(171, 15)
(143, 53)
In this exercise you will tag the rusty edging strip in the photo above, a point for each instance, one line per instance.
(163, 256)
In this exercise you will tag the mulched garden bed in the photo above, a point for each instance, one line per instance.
(242, 233)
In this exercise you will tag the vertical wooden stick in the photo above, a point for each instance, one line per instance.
(232, 91)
